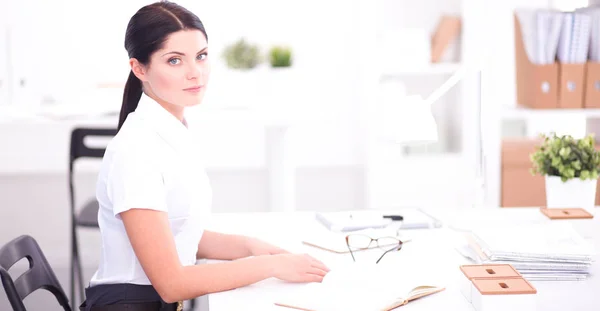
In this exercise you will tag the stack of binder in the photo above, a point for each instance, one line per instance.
(549, 251)
(557, 58)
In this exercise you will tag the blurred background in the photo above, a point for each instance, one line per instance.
(296, 127)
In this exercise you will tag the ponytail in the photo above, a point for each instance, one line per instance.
(131, 97)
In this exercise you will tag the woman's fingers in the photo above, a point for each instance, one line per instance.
(310, 277)
(317, 264)
(317, 271)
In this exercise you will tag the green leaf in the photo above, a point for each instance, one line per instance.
(564, 152)
(585, 174)
(556, 162)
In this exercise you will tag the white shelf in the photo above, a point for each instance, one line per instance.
(523, 113)
(431, 69)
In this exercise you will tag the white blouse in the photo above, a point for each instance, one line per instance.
(152, 163)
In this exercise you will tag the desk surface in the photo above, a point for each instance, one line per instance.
(433, 248)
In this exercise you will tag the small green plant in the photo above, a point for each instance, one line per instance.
(566, 157)
(242, 55)
(280, 56)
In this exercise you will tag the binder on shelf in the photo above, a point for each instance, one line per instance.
(592, 85)
(447, 31)
(537, 85)
(571, 87)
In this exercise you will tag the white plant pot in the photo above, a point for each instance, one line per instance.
(572, 193)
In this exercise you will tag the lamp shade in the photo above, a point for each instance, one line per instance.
(407, 120)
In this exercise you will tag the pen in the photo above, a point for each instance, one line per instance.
(394, 217)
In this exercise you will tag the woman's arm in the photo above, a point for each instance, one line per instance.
(215, 245)
(154, 246)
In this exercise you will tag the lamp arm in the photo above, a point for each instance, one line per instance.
(457, 76)
(446, 86)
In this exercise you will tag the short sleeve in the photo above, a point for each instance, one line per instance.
(135, 181)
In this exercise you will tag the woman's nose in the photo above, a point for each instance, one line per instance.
(194, 71)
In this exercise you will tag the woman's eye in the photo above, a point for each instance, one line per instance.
(174, 61)
(202, 56)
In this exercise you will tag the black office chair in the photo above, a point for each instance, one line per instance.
(39, 275)
(87, 216)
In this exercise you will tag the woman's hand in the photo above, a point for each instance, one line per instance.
(257, 247)
(300, 268)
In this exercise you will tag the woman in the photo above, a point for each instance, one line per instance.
(153, 192)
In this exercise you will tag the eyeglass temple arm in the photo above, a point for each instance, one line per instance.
(397, 247)
(350, 249)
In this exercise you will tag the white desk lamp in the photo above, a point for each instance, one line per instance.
(411, 122)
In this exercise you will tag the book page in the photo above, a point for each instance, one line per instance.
(361, 287)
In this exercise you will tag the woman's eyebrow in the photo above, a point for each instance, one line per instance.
(174, 52)
(183, 54)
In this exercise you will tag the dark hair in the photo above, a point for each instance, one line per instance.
(146, 32)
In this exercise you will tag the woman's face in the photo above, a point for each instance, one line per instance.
(178, 73)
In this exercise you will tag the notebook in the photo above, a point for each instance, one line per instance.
(346, 222)
(361, 287)
(413, 218)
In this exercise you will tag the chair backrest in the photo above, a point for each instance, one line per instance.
(39, 275)
(78, 147)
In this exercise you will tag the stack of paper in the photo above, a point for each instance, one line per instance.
(574, 40)
(548, 34)
(594, 48)
(541, 31)
(551, 251)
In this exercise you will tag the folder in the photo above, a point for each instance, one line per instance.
(592, 85)
(537, 85)
(573, 53)
(446, 31)
(592, 78)
(571, 87)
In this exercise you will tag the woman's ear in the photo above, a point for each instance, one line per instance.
(138, 69)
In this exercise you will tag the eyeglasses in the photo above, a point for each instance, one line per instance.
(363, 242)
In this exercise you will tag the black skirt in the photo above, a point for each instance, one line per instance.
(115, 297)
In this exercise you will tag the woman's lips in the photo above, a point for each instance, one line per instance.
(194, 89)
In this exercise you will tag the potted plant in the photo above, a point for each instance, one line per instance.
(570, 167)
(280, 56)
(242, 55)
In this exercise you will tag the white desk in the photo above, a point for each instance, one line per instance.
(434, 248)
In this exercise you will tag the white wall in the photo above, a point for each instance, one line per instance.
(89, 50)
(321, 34)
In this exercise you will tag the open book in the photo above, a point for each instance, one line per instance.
(357, 288)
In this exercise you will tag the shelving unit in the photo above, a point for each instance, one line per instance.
(524, 113)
